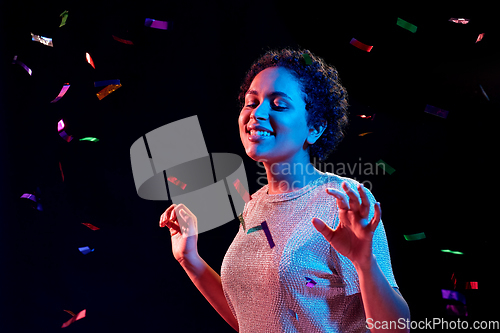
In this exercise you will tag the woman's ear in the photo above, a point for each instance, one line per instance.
(316, 131)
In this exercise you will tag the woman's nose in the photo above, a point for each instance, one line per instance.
(260, 112)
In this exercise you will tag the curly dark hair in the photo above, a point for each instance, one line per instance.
(325, 97)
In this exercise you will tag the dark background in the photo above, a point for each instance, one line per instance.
(444, 184)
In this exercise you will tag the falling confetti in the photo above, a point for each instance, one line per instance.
(70, 312)
(60, 168)
(471, 285)
(386, 167)
(108, 90)
(365, 116)
(89, 59)
(293, 314)
(29, 196)
(43, 40)
(89, 139)
(259, 227)
(61, 93)
(310, 282)
(456, 310)
(307, 58)
(156, 24)
(268, 234)
(124, 41)
(363, 134)
(454, 279)
(484, 92)
(413, 237)
(64, 16)
(436, 111)
(15, 61)
(452, 252)
(480, 37)
(406, 25)
(451, 294)
(177, 182)
(241, 190)
(79, 316)
(91, 226)
(459, 20)
(85, 249)
(360, 45)
(60, 125)
(106, 83)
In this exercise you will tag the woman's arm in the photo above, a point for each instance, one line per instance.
(209, 284)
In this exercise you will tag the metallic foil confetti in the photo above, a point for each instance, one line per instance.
(363, 134)
(106, 83)
(386, 167)
(79, 316)
(89, 139)
(61, 93)
(471, 285)
(124, 41)
(241, 190)
(406, 25)
(480, 37)
(60, 168)
(310, 282)
(454, 279)
(65, 136)
(484, 92)
(156, 24)
(452, 252)
(177, 182)
(360, 45)
(242, 221)
(268, 234)
(413, 237)
(29, 196)
(91, 226)
(459, 20)
(451, 294)
(89, 59)
(259, 227)
(85, 249)
(64, 16)
(26, 68)
(307, 58)
(43, 40)
(108, 90)
(436, 111)
(60, 125)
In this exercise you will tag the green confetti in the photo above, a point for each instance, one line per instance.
(406, 25)
(89, 139)
(259, 227)
(307, 58)
(413, 237)
(386, 167)
(449, 251)
(64, 16)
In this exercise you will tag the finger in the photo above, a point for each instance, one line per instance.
(353, 196)
(165, 216)
(325, 230)
(365, 202)
(377, 217)
(342, 198)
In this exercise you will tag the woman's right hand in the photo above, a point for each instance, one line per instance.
(183, 227)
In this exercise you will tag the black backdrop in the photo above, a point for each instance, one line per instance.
(443, 184)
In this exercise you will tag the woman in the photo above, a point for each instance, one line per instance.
(311, 254)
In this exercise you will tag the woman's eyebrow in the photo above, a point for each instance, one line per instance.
(274, 93)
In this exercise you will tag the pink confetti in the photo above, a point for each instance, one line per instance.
(61, 93)
(459, 20)
(29, 196)
(60, 125)
(15, 61)
(91, 226)
(156, 24)
(480, 37)
(241, 190)
(310, 282)
(177, 182)
(89, 60)
(79, 316)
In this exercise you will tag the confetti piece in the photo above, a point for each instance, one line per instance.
(454, 279)
(451, 294)
(124, 41)
(60, 125)
(307, 58)
(70, 312)
(268, 234)
(453, 252)
(436, 111)
(64, 16)
(106, 83)
(89, 139)
(65, 136)
(413, 237)
(60, 168)
(406, 25)
(293, 314)
(456, 309)
(15, 61)
(471, 285)
(61, 93)
(364, 116)
(108, 90)
(459, 20)
(480, 37)
(85, 249)
(363, 134)
(89, 59)
(29, 196)
(310, 282)
(259, 227)
(242, 190)
(79, 316)
(177, 182)
(91, 226)
(156, 24)
(360, 45)
(484, 92)
(43, 40)
(386, 167)
(242, 221)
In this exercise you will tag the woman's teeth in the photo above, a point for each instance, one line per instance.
(261, 133)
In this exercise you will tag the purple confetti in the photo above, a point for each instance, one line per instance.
(436, 111)
(310, 282)
(268, 234)
(29, 196)
(450, 294)
(156, 24)
(15, 61)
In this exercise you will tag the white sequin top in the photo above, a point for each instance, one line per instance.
(266, 288)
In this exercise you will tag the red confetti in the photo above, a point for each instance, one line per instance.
(360, 45)
(177, 182)
(60, 168)
(480, 37)
(124, 41)
(471, 285)
(89, 60)
(91, 226)
(241, 190)
(79, 316)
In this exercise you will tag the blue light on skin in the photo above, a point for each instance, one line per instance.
(275, 101)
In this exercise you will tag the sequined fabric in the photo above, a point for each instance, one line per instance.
(266, 288)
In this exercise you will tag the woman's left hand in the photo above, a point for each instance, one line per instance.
(354, 234)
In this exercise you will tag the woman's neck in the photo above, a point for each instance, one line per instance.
(287, 177)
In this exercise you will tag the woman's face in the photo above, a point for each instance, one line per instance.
(273, 126)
